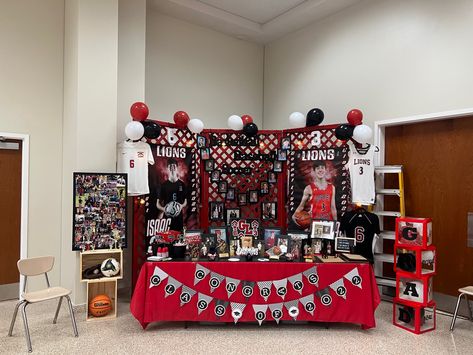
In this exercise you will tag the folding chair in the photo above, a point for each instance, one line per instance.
(464, 291)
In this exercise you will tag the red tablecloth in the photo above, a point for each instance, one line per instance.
(150, 304)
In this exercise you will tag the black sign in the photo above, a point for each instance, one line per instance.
(344, 245)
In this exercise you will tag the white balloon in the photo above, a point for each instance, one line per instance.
(134, 130)
(297, 119)
(362, 133)
(235, 122)
(195, 125)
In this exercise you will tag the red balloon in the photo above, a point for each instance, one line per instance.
(246, 119)
(181, 119)
(139, 111)
(355, 117)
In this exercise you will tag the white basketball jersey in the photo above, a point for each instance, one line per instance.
(133, 159)
(361, 168)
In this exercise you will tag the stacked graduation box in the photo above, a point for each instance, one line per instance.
(414, 308)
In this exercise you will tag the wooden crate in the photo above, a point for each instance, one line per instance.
(98, 287)
(95, 257)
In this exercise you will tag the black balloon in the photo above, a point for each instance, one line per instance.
(250, 130)
(314, 117)
(344, 132)
(152, 129)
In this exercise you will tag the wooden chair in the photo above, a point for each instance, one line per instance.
(33, 267)
(464, 291)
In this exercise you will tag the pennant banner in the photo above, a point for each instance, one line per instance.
(312, 276)
(200, 273)
(247, 289)
(324, 296)
(308, 303)
(172, 286)
(265, 289)
(203, 302)
(220, 308)
(158, 276)
(186, 295)
(354, 277)
(296, 282)
(276, 311)
(231, 285)
(260, 312)
(292, 308)
(339, 287)
(237, 310)
(215, 281)
(281, 287)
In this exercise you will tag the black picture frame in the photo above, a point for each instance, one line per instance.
(99, 214)
(269, 211)
(221, 240)
(216, 210)
(242, 199)
(264, 187)
(209, 165)
(193, 239)
(222, 187)
(230, 196)
(296, 240)
(253, 196)
(281, 154)
(283, 243)
(201, 141)
(286, 143)
(270, 237)
(232, 213)
(277, 166)
(215, 175)
(205, 154)
(272, 177)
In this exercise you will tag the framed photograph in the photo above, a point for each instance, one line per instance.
(283, 243)
(272, 177)
(201, 142)
(230, 194)
(323, 229)
(205, 153)
(296, 239)
(264, 188)
(99, 211)
(215, 176)
(317, 246)
(209, 165)
(282, 155)
(246, 241)
(216, 211)
(222, 186)
(271, 236)
(221, 240)
(286, 143)
(208, 240)
(253, 196)
(277, 166)
(242, 197)
(268, 211)
(232, 213)
(193, 239)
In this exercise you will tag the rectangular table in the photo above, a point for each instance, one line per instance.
(255, 291)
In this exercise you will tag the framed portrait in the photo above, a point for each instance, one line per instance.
(242, 199)
(221, 240)
(268, 211)
(207, 241)
(232, 213)
(282, 155)
(286, 143)
(264, 188)
(216, 211)
(230, 194)
(205, 153)
(201, 142)
(99, 211)
(215, 176)
(283, 243)
(222, 186)
(277, 166)
(193, 239)
(246, 241)
(209, 165)
(323, 229)
(296, 239)
(271, 236)
(253, 198)
(272, 177)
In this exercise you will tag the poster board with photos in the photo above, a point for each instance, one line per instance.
(99, 211)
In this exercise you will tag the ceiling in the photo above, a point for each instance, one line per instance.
(260, 21)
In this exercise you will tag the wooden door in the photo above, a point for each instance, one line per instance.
(438, 170)
(10, 216)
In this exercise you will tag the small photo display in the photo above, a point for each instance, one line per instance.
(272, 177)
(264, 187)
(282, 155)
(277, 166)
(296, 239)
(230, 194)
(242, 199)
(208, 241)
(201, 142)
(271, 236)
(232, 213)
(268, 211)
(253, 196)
(209, 165)
(222, 186)
(317, 246)
(205, 153)
(221, 240)
(324, 229)
(283, 243)
(215, 176)
(246, 241)
(286, 143)
(193, 239)
(216, 211)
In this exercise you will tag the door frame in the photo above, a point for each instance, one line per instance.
(25, 157)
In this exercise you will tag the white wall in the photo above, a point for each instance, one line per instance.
(31, 102)
(205, 73)
(388, 58)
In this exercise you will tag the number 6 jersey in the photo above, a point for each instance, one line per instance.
(133, 159)
(361, 167)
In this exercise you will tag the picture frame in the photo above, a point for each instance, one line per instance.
(205, 153)
(272, 177)
(296, 239)
(232, 213)
(209, 165)
(277, 166)
(246, 241)
(216, 209)
(264, 187)
(242, 199)
(230, 196)
(201, 141)
(215, 175)
(207, 240)
(323, 229)
(253, 196)
(286, 143)
(283, 243)
(270, 236)
(193, 239)
(221, 240)
(268, 211)
(222, 186)
(281, 155)
(99, 219)
(317, 246)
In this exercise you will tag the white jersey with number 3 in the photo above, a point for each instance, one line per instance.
(361, 168)
(133, 159)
